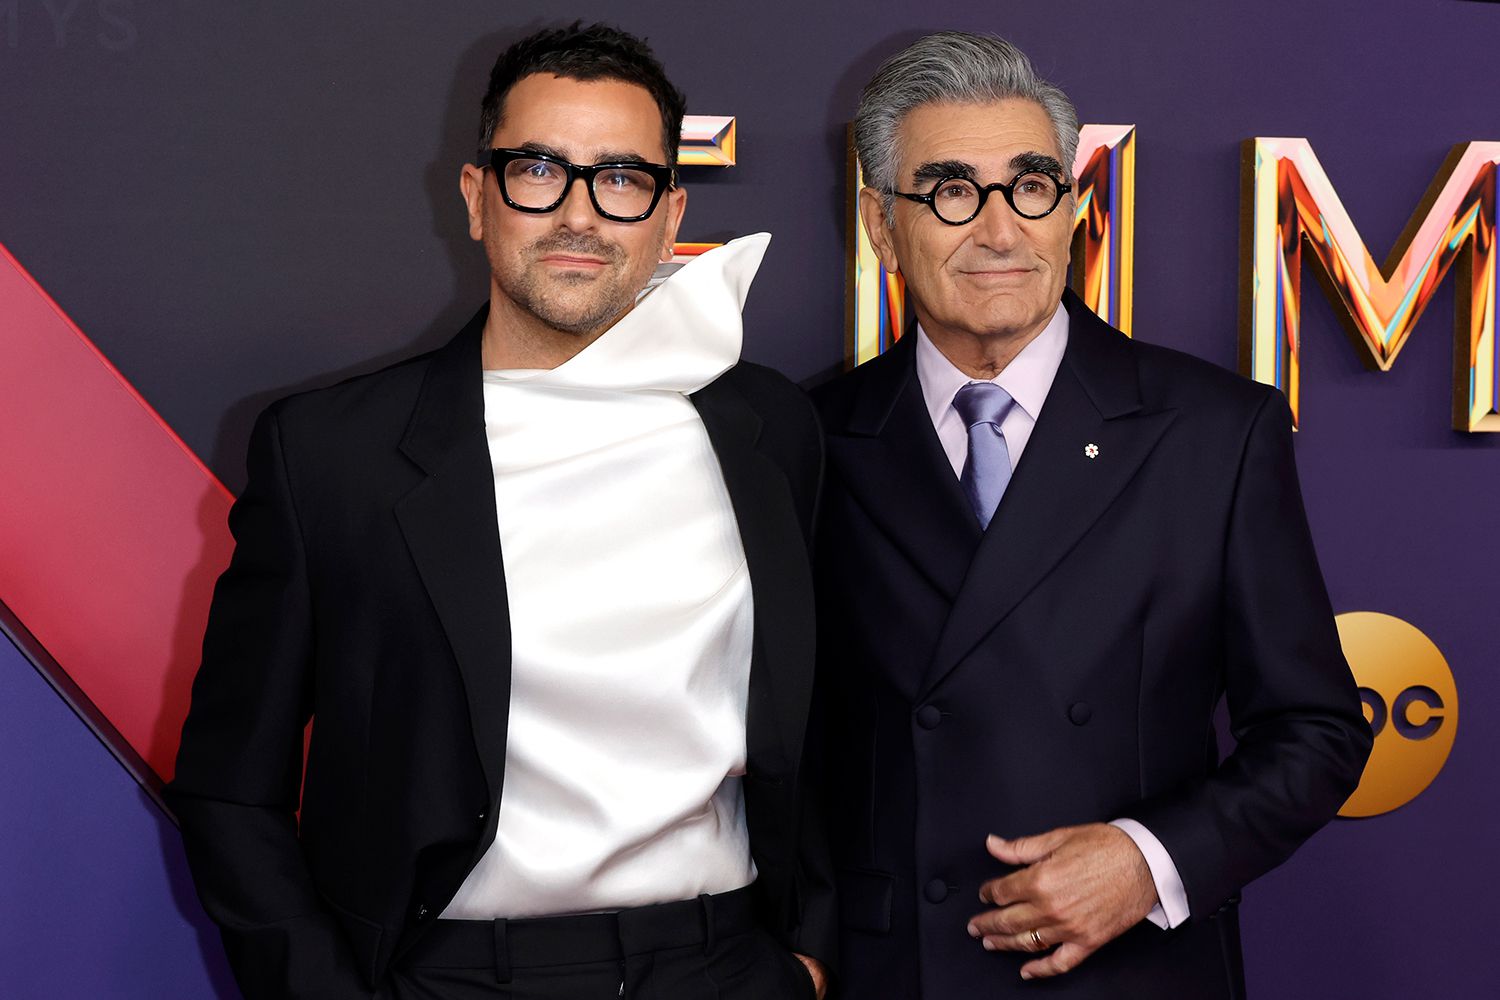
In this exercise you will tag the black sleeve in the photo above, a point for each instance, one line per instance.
(239, 767)
(817, 932)
(1301, 736)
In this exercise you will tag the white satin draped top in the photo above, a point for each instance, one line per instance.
(631, 615)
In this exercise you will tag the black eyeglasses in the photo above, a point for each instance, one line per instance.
(957, 200)
(621, 192)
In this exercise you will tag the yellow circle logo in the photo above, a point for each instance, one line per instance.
(1410, 702)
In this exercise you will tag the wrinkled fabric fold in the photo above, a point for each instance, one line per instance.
(631, 615)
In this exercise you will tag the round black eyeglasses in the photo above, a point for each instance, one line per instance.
(537, 182)
(957, 200)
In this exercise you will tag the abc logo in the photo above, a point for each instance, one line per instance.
(1410, 702)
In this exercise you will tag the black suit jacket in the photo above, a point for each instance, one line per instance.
(1063, 667)
(367, 592)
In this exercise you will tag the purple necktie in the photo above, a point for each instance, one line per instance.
(983, 405)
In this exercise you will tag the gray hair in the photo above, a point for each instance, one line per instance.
(949, 67)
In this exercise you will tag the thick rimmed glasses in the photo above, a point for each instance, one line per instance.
(957, 200)
(621, 192)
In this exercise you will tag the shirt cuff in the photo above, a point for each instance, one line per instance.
(1172, 903)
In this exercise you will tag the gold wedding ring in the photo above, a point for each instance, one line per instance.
(1036, 939)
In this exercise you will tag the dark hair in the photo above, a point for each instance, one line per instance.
(597, 52)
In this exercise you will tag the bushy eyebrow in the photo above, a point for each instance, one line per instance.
(1021, 163)
(936, 170)
(1031, 160)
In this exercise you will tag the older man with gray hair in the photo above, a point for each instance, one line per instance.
(1047, 552)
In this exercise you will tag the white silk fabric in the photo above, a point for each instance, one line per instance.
(631, 615)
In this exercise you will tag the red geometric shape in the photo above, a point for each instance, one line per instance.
(112, 532)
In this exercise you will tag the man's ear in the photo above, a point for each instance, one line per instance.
(471, 186)
(872, 214)
(674, 203)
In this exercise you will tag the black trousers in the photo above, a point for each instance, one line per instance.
(709, 948)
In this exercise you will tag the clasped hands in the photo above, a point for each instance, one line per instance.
(1077, 888)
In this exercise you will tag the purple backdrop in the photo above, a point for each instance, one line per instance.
(98, 899)
(234, 200)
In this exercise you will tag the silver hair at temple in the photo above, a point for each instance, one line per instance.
(949, 67)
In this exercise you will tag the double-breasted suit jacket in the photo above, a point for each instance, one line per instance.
(1149, 557)
(367, 593)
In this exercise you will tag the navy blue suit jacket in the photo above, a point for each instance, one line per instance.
(1064, 666)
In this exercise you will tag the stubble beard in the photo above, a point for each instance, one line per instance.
(575, 303)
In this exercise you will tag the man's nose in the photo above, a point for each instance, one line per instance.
(997, 225)
(577, 210)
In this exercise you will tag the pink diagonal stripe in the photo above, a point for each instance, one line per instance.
(111, 530)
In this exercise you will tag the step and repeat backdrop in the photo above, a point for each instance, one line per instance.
(206, 206)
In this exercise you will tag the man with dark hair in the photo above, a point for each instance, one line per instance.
(1046, 552)
(574, 769)
(597, 52)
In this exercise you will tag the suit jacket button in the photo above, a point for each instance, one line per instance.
(1080, 712)
(929, 717)
(935, 891)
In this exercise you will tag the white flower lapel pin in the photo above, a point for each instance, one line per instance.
(1091, 450)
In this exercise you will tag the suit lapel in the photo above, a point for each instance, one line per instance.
(894, 464)
(1058, 490)
(780, 580)
(449, 523)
